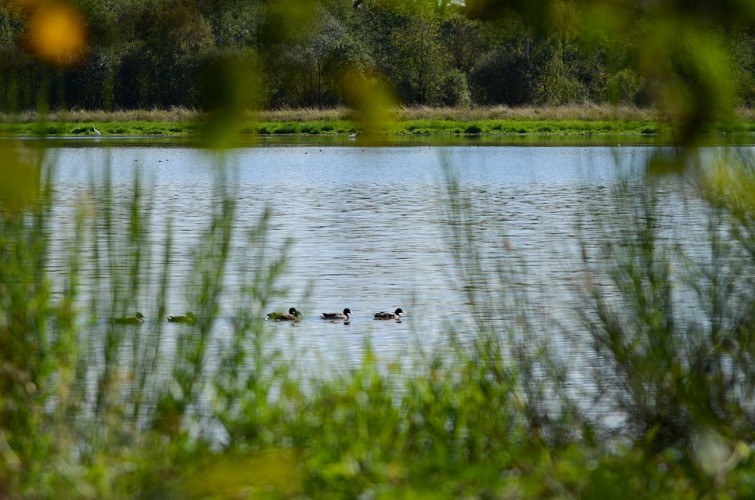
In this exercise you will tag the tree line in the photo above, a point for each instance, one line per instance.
(313, 53)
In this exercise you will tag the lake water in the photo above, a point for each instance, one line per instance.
(367, 225)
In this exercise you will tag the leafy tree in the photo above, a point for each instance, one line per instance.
(742, 50)
(421, 59)
(145, 53)
(464, 40)
(508, 72)
(405, 43)
(236, 24)
(310, 70)
(13, 62)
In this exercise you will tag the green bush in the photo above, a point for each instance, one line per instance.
(625, 86)
(473, 129)
(286, 129)
(454, 90)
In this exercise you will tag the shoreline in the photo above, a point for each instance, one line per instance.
(586, 121)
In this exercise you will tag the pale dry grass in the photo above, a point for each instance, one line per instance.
(589, 112)
(746, 114)
(303, 115)
(174, 114)
(586, 112)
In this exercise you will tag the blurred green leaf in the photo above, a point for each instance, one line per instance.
(20, 177)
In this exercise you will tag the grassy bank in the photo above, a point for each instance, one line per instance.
(490, 121)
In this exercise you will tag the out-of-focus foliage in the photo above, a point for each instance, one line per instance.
(97, 409)
(92, 408)
(20, 178)
(371, 99)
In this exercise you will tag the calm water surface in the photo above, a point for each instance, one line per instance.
(367, 226)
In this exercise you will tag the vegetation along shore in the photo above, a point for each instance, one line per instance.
(572, 120)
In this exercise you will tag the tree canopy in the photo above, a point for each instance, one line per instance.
(126, 54)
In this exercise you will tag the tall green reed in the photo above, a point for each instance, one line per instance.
(99, 408)
(509, 323)
(665, 308)
(82, 395)
(27, 355)
(663, 324)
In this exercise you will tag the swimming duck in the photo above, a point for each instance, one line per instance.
(343, 315)
(389, 315)
(292, 315)
(136, 319)
(187, 318)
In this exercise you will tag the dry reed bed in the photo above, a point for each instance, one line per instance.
(175, 114)
(586, 112)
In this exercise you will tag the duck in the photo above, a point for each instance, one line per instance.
(136, 319)
(343, 315)
(389, 315)
(187, 318)
(292, 315)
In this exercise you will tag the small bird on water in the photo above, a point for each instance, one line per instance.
(389, 315)
(136, 319)
(344, 315)
(292, 315)
(187, 318)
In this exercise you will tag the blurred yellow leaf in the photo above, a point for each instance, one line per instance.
(274, 472)
(689, 67)
(371, 99)
(56, 33)
(231, 88)
(562, 17)
(287, 20)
